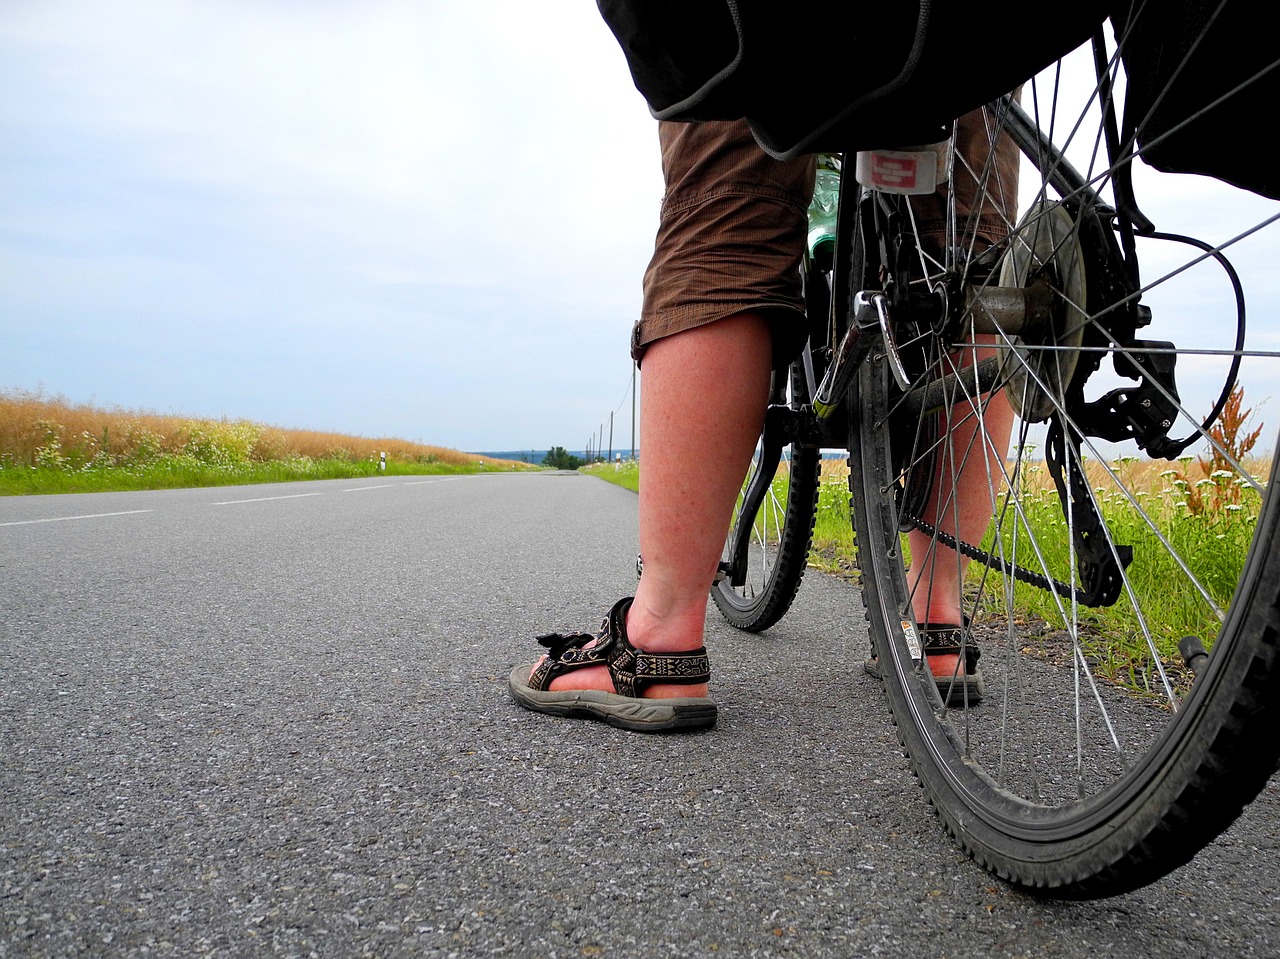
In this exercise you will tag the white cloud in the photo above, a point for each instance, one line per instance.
(394, 177)
(236, 206)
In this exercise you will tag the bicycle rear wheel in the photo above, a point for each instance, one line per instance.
(1096, 762)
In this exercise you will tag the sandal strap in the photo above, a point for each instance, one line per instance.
(636, 669)
(630, 668)
(948, 639)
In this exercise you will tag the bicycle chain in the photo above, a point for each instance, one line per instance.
(995, 562)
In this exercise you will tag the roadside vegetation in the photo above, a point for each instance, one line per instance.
(626, 475)
(50, 445)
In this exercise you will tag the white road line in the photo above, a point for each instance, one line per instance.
(63, 519)
(264, 499)
(356, 489)
(420, 482)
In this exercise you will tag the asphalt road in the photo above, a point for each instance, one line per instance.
(273, 721)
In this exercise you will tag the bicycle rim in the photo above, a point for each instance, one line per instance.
(1095, 762)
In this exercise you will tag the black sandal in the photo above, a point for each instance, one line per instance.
(947, 639)
(631, 669)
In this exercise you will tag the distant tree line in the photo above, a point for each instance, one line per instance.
(559, 458)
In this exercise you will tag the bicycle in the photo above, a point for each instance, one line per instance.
(1091, 766)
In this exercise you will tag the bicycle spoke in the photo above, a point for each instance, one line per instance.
(1092, 565)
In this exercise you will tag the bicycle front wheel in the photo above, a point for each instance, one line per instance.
(767, 549)
(1117, 513)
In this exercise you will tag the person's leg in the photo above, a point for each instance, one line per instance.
(723, 282)
(970, 462)
(973, 445)
(703, 396)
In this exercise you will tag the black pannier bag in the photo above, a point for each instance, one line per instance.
(838, 75)
(1183, 56)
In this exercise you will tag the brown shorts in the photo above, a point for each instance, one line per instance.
(734, 220)
(731, 233)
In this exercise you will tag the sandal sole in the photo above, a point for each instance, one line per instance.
(624, 712)
(958, 690)
(951, 689)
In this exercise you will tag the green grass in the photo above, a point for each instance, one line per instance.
(178, 472)
(626, 476)
(1212, 540)
(832, 550)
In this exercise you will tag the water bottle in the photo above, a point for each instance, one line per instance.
(822, 210)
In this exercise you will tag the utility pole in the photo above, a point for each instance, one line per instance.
(610, 436)
(634, 369)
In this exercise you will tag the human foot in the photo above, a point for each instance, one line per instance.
(953, 661)
(651, 633)
(607, 677)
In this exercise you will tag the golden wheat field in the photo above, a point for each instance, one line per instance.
(39, 430)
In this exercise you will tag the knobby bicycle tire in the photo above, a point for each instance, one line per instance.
(1213, 759)
(1094, 763)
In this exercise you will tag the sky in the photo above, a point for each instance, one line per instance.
(421, 219)
(426, 220)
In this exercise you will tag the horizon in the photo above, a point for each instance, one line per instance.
(401, 220)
